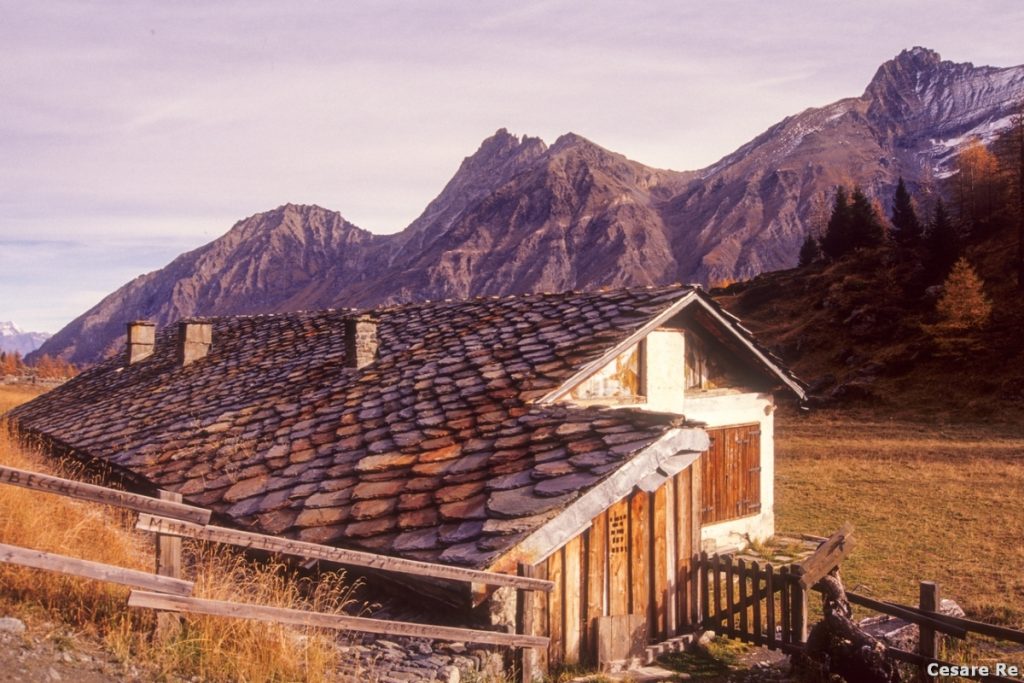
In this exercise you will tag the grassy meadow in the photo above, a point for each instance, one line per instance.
(929, 502)
(207, 648)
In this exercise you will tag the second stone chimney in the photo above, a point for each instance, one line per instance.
(141, 339)
(360, 341)
(194, 339)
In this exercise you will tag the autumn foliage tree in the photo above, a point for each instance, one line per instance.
(980, 191)
(11, 363)
(962, 310)
(963, 305)
(48, 367)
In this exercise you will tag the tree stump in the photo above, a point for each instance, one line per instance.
(837, 646)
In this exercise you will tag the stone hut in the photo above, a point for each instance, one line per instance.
(602, 437)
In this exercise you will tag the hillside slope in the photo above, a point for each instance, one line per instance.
(852, 331)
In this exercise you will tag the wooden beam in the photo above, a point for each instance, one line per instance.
(597, 555)
(660, 562)
(968, 625)
(314, 551)
(525, 610)
(101, 494)
(639, 555)
(37, 559)
(168, 548)
(572, 572)
(827, 557)
(297, 617)
(540, 618)
(937, 622)
(556, 609)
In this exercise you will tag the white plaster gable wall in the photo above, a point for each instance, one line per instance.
(665, 370)
(664, 358)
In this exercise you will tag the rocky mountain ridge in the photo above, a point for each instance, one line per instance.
(521, 216)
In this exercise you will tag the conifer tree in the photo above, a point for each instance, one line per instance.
(866, 226)
(906, 229)
(837, 239)
(809, 251)
(942, 244)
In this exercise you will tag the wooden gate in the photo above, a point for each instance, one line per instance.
(753, 602)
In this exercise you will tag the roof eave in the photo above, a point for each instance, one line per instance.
(673, 452)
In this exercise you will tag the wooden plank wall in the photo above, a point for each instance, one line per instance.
(634, 559)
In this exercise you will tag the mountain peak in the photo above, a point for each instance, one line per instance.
(569, 140)
(502, 145)
(906, 70)
(918, 57)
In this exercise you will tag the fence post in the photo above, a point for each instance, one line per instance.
(742, 573)
(168, 563)
(799, 595)
(524, 626)
(701, 612)
(928, 643)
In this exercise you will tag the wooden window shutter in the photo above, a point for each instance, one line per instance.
(731, 474)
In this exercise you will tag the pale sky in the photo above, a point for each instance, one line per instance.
(133, 131)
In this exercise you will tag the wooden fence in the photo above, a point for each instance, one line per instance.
(764, 605)
(166, 591)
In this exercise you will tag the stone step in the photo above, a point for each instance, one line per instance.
(676, 644)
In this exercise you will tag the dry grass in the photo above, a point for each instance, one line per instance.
(928, 503)
(220, 649)
(15, 394)
(212, 649)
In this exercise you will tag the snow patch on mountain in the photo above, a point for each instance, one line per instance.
(14, 339)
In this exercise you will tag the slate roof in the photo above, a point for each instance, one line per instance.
(437, 451)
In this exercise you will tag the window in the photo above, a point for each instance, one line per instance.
(617, 382)
(731, 474)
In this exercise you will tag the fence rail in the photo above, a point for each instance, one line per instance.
(62, 564)
(314, 551)
(282, 615)
(101, 494)
(166, 591)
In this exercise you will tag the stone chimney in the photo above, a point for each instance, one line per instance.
(194, 339)
(360, 341)
(141, 339)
